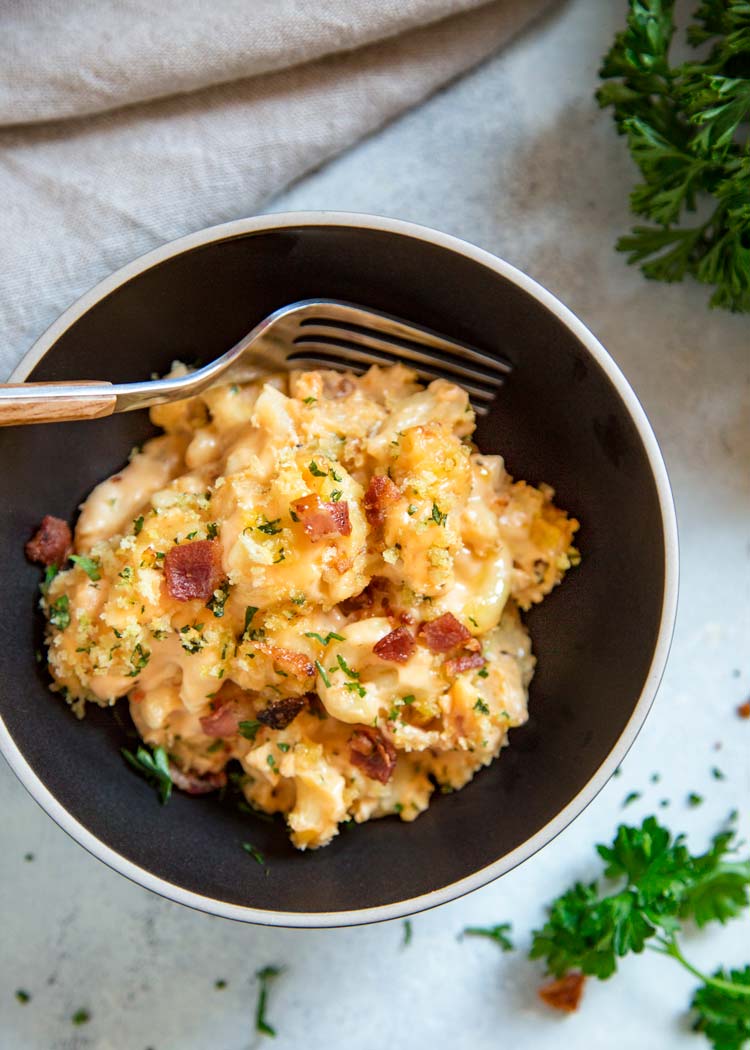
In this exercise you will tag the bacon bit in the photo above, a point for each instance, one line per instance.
(372, 753)
(398, 646)
(292, 662)
(465, 662)
(322, 520)
(281, 713)
(744, 710)
(51, 543)
(193, 570)
(137, 695)
(223, 721)
(444, 633)
(380, 493)
(196, 783)
(564, 993)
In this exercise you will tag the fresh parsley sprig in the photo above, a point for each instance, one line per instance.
(153, 766)
(686, 128)
(659, 885)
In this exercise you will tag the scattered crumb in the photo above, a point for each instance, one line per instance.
(221, 983)
(632, 797)
(694, 800)
(81, 1016)
(744, 709)
(664, 803)
(717, 774)
(23, 996)
(564, 993)
(28, 856)
(655, 778)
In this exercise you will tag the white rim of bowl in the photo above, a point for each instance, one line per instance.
(399, 909)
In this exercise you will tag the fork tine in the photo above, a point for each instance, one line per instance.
(343, 354)
(403, 334)
(385, 351)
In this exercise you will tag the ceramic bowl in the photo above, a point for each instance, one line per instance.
(566, 416)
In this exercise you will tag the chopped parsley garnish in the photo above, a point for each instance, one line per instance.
(298, 599)
(265, 976)
(284, 747)
(49, 574)
(293, 516)
(218, 600)
(81, 1016)
(138, 525)
(270, 528)
(216, 746)
(138, 659)
(335, 476)
(355, 687)
(249, 729)
(411, 510)
(500, 934)
(221, 984)
(408, 699)
(316, 471)
(346, 668)
(91, 566)
(212, 530)
(153, 766)
(281, 556)
(717, 774)
(323, 675)
(59, 612)
(437, 516)
(481, 706)
(126, 574)
(23, 996)
(310, 400)
(483, 672)
(250, 612)
(694, 800)
(336, 495)
(631, 797)
(254, 853)
(271, 761)
(327, 639)
(407, 934)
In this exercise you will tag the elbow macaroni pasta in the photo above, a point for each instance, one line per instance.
(456, 535)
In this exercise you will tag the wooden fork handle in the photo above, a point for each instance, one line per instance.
(22, 403)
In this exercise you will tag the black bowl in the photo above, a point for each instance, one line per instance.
(566, 416)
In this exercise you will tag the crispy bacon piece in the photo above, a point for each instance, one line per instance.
(564, 993)
(281, 713)
(290, 661)
(444, 633)
(193, 570)
(51, 543)
(464, 662)
(398, 646)
(322, 520)
(196, 783)
(372, 753)
(380, 493)
(744, 710)
(223, 721)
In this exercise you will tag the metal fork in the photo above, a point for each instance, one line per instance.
(310, 333)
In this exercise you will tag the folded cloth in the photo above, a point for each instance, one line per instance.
(122, 127)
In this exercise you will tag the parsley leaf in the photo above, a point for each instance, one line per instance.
(254, 852)
(218, 600)
(500, 934)
(327, 639)
(91, 566)
(316, 471)
(265, 976)
(249, 729)
(59, 612)
(722, 1006)
(154, 766)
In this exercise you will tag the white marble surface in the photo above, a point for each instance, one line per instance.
(517, 159)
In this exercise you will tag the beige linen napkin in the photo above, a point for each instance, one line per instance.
(125, 123)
